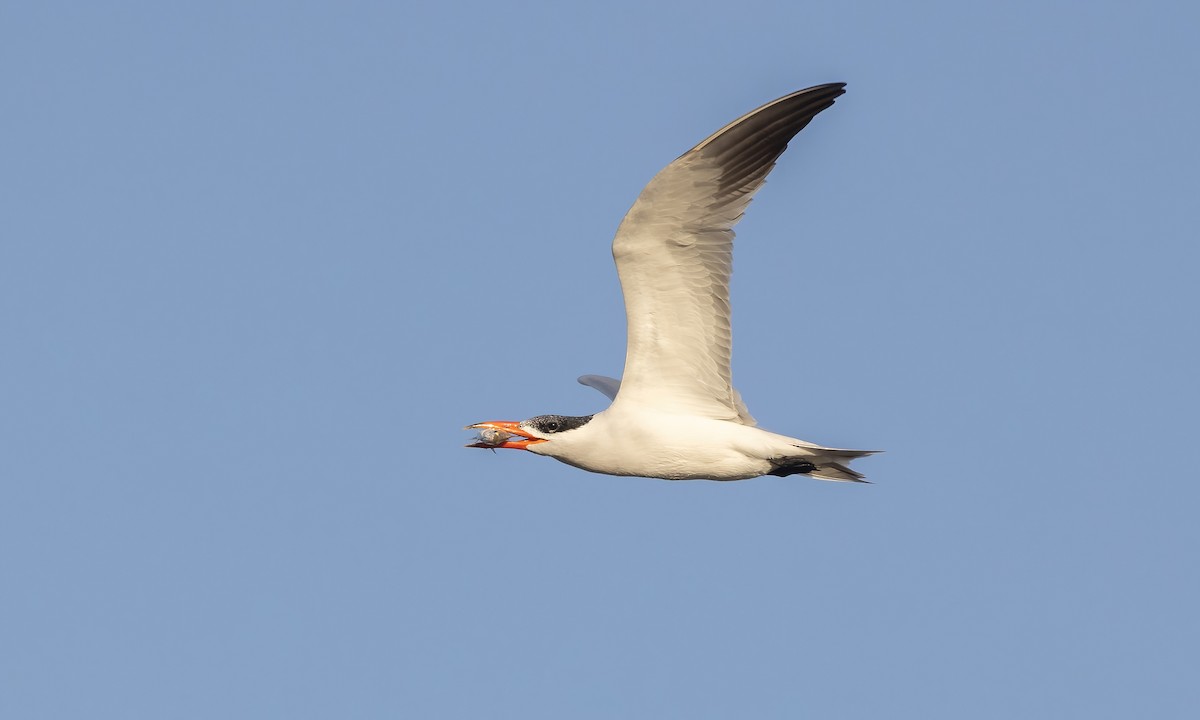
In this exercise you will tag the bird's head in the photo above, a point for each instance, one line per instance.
(533, 434)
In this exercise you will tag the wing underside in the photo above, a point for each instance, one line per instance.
(674, 254)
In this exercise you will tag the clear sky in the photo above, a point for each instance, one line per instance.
(260, 262)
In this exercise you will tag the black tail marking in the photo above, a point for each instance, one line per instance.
(782, 467)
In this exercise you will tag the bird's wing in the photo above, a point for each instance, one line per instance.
(674, 254)
(608, 386)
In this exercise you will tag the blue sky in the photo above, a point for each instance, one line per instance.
(262, 261)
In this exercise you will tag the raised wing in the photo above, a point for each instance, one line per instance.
(674, 254)
(611, 386)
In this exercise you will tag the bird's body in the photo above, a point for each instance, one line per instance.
(674, 447)
(675, 414)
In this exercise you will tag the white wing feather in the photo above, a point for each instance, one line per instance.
(674, 255)
(611, 386)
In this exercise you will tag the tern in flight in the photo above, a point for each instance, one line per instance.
(675, 414)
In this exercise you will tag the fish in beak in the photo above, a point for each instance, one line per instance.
(500, 434)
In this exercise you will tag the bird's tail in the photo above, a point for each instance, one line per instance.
(831, 463)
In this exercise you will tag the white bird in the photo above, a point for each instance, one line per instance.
(675, 413)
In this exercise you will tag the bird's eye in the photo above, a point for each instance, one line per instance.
(551, 426)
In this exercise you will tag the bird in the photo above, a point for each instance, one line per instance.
(675, 414)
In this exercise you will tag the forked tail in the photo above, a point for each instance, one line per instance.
(822, 463)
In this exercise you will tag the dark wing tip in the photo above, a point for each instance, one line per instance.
(747, 148)
(802, 105)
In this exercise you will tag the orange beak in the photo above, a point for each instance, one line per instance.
(508, 427)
